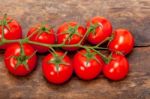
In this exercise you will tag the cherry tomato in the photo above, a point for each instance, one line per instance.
(87, 65)
(70, 33)
(123, 41)
(12, 30)
(101, 29)
(117, 68)
(42, 34)
(20, 60)
(57, 68)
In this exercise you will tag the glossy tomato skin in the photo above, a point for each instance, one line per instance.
(62, 35)
(50, 72)
(11, 62)
(44, 37)
(117, 68)
(84, 70)
(101, 32)
(14, 31)
(123, 41)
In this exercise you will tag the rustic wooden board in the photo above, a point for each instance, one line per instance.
(131, 14)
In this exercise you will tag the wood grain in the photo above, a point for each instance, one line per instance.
(131, 14)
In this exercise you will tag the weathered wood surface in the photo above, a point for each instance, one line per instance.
(131, 14)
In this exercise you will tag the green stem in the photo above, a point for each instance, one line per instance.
(2, 38)
(102, 55)
(65, 45)
(37, 30)
(94, 48)
(52, 46)
(11, 41)
(108, 38)
(87, 32)
(53, 50)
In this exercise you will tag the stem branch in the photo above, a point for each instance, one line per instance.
(52, 46)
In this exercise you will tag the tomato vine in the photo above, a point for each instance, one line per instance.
(57, 66)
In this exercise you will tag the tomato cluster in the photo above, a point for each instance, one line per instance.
(88, 63)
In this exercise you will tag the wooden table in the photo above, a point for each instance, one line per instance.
(131, 14)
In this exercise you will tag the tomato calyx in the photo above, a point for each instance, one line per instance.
(57, 60)
(22, 59)
(39, 30)
(5, 22)
(92, 28)
(43, 28)
(109, 58)
(72, 30)
(90, 55)
(111, 38)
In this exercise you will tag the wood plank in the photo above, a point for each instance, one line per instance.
(131, 14)
(135, 86)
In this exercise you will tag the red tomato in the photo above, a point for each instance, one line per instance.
(123, 41)
(87, 65)
(117, 68)
(17, 63)
(12, 30)
(42, 34)
(57, 69)
(76, 33)
(101, 30)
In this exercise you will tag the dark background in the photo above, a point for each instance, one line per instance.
(133, 15)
